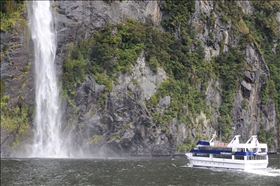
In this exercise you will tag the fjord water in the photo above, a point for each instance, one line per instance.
(47, 141)
(131, 171)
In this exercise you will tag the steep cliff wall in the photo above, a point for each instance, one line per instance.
(17, 80)
(250, 114)
(192, 73)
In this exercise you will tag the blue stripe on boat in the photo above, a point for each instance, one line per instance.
(222, 152)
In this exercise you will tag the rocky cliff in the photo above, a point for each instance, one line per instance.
(229, 78)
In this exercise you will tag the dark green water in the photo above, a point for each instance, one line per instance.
(130, 171)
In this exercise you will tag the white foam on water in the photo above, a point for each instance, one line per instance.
(262, 172)
(265, 172)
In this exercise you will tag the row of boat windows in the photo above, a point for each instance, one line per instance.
(215, 148)
(201, 155)
(224, 156)
(214, 155)
(230, 149)
(256, 158)
(239, 157)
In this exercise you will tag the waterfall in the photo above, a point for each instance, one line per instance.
(47, 123)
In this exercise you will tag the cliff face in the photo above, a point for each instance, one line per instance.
(246, 119)
(17, 85)
(123, 124)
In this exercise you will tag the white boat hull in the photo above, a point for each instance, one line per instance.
(227, 163)
(251, 155)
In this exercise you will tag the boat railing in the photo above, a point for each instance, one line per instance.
(252, 145)
(257, 157)
(235, 140)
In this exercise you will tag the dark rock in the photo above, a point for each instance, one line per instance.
(88, 94)
(249, 76)
(246, 89)
(164, 104)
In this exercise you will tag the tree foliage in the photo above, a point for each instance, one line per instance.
(10, 12)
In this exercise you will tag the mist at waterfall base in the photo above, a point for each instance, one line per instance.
(131, 171)
(48, 140)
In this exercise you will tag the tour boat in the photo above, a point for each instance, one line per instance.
(234, 155)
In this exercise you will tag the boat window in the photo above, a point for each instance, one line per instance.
(239, 157)
(260, 157)
(263, 149)
(224, 156)
(201, 154)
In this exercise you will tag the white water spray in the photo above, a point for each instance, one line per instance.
(47, 140)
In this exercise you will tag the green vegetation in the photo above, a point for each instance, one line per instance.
(266, 136)
(9, 6)
(15, 120)
(96, 138)
(127, 126)
(104, 56)
(2, 87)
(11, 12)
(228, 68)
(244, 104)
(6, 49)
(115, 136)
(186, 145)
(178, 15)
(92, 113)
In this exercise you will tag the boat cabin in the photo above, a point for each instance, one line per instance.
(251, 150)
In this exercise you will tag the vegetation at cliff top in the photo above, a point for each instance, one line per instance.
(10, 12)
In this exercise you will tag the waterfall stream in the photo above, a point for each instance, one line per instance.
(47, 122)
